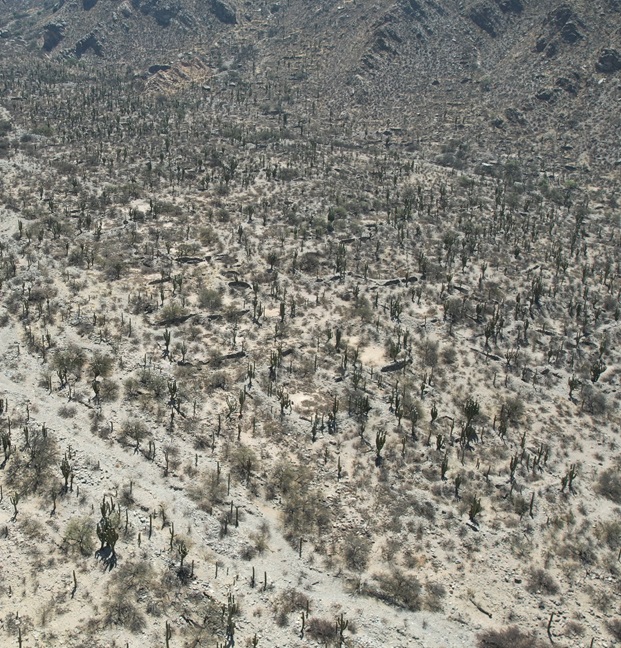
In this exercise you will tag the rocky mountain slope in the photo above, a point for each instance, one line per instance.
(469, 80)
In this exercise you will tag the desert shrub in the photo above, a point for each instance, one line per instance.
(287, 602)
(31, 467)
(593, 400)
(321, 630)
(511, 637)
(356, 550)
(119, 610)
(609, 533)
(396, 588)
(101, 365)
(172, 312)
(609, 484)
(108, 390)
(134, 431)
(434, 593)
(243, 462)
(304, 512)
(155, 383)
(210, 299)
(67, 411)
(614, 627)
(208, 491)
(79, 535)
(284, 477)
(68, 361)
(539, 580)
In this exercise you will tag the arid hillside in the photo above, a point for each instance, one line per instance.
(309, 319)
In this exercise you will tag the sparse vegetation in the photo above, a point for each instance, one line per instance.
(270, 360)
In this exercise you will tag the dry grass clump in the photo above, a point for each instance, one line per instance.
(511, 637)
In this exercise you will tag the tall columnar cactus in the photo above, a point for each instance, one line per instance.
(380, 441)
(66, 470)
(341, 626)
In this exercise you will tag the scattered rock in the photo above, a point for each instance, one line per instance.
(242, 285)
(568, 85)
(189, 259)
(547, 95)
(609, 61)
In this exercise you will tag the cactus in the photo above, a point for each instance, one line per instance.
(168, 634)
(107, 527)
(513, 464)
(475, 509)
(568, 480)
(341, 626)
(66, 470)
(458, 481)
(5, 438)
(182, 551)
(444, 467)
(380, 440)
(166, 342)
(14, 499)
(471, 410)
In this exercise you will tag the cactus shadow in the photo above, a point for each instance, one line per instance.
(107, 557)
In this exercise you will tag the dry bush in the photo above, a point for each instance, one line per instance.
(396, 588)
(609, 533)
(614, 627)
(119, 610)
(609, 484)
(287, 602)
(511, 637)
(304, 512)
(356, 550)
(539, 580)
(79, 535)
(133, 431)
(208, 491)
(30, 468)
(322, 630)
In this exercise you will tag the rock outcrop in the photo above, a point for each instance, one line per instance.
(53, 33)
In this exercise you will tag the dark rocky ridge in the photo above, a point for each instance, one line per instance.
(498, 75)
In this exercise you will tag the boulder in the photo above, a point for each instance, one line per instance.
(224, 11)
(510, 6)
(609, 61)
(485, 18)
(53, 33)
(570, 33)
(163, 12)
